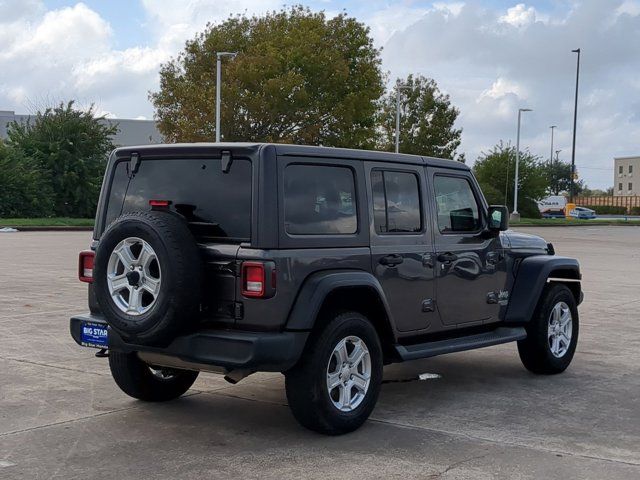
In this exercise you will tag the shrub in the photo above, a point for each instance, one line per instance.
(70, 148)
(607, 209)
(24, 189)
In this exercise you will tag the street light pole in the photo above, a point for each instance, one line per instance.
(514, 214)
(219, 56)
(575, 118)
(552, 127)
(399, 88)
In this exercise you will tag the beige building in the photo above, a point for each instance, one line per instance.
(626, 178)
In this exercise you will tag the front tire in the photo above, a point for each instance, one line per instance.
(334, 387)
(552, 334)
(139, 380)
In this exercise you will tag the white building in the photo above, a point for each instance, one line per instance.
(130, 131)
(626, 178)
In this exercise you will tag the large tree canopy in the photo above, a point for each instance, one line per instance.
(495, 171)
(426, 122)
(299, 77)
(70, 148)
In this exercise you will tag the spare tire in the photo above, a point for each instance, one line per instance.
(148, 277)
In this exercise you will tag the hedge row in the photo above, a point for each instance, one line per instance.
(607, 209)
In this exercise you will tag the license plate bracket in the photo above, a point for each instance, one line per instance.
(94, 335)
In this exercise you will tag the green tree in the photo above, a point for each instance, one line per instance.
(426, 122)
(299, 77)
(495, 173)
(24, 190)
(558, 176)
(70, 148)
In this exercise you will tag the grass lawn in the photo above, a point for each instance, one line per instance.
(46, 222)
(572, 221)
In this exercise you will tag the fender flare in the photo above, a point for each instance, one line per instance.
(319, 285)
(530, 280)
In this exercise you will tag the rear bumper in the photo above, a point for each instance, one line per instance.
(228, 349)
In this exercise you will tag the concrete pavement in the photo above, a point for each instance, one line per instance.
(61, 415)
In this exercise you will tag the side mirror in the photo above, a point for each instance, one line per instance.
(498, 218)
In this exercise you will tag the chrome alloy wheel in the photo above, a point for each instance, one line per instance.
(133, 276)
(560, 329)
(349, 373)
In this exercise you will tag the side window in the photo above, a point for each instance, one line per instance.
(630, 168)
(396, 202)
(620, 169)
(319, 200)
(458, 209)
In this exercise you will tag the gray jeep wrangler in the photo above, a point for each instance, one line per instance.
(324, 264)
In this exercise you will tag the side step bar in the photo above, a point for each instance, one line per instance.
(470, 342)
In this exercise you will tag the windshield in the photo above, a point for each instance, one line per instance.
(215, 204)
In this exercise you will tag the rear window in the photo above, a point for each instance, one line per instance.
(215, 204)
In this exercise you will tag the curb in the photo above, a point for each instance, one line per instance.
(543, 225)
(53, 228)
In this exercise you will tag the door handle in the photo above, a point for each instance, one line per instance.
(392, 260)
(447, 257)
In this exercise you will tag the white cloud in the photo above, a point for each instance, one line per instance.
(519, 15)
(502, 87)
(629, 7)
(453, 8)
(175, 22)
(491, 68)
(51, 56)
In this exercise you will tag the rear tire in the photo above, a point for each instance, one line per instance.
(552, 334)
(334, 387)
(138, 380)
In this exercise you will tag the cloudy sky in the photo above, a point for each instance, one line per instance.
(492, 57)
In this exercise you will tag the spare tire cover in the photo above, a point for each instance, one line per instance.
(148, 277)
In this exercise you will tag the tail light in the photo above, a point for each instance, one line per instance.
(159, 203)
(85, 266)
(258, 279)
(253, 279)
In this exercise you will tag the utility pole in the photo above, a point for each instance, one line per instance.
(219, 56)
(575, 118)
(552, 127)
(399, 88)
(514, 214)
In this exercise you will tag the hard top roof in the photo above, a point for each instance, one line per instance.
(205, 148)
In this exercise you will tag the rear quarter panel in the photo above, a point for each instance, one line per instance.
(293, 267)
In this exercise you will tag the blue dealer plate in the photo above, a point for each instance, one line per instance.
(93, 335)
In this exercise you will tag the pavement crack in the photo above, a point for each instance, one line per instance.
(456, 465)
(65, 422)
(505, 443)
(59, 367)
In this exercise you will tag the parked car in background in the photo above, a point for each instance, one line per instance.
(582, 212)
